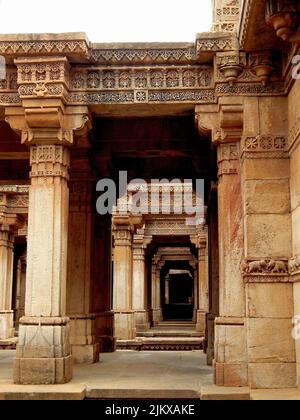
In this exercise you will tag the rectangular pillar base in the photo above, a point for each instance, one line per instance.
(125, 326)
(142, 323)
(86, 354)
(6, 325)
(157, 316)
(201, 322)
(43, 371)
(231, 375)
(107, 344)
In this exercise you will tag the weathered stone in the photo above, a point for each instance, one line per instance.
(277, 296)
(270, 341)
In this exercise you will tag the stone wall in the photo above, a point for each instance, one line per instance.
(294, 144)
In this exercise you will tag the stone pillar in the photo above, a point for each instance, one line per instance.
(21, 288)
(139, 285)
(122, 279)
(225, 123)
(230, 330)
(6, 282)
(43, 352)
(47, 126)
(203, 287)
(167, 290)
(85, 348)
(156, 294)
(196, 295)
(294, 264)
(268, 244)
(213, 274)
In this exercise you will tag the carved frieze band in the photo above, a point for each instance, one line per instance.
(144, 55)
(265, 146)
(162, 84)
(271, 270)
(22, 48)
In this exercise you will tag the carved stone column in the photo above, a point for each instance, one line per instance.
(6, 282)
(156, 293)
(225, 123)
(21, 288)
(122, 279)
(139, 285)
(203, 286)
(47, 126)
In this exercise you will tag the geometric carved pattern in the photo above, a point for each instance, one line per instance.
(228, 159)
(265, 146)
(49, 161)
(226, 15)
(126, 56)
(142, 78)
(142, 85)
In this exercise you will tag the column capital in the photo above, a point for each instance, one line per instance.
(48, 125)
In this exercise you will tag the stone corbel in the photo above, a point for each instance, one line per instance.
(231, 124)
(284, 17)
(224, 122)
(231, 65)
(261, 63)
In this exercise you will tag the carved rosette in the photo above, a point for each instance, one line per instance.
(265, 146)
(265, 270)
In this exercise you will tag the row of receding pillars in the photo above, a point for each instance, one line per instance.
(130, 306)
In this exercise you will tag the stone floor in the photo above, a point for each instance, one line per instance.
(124, 374)
(140, 375)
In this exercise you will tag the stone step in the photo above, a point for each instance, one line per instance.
(162, 344)
(9, 344)
(167, 333)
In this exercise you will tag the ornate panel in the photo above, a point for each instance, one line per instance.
(264, 146)
(142, 85)
(265, 271)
